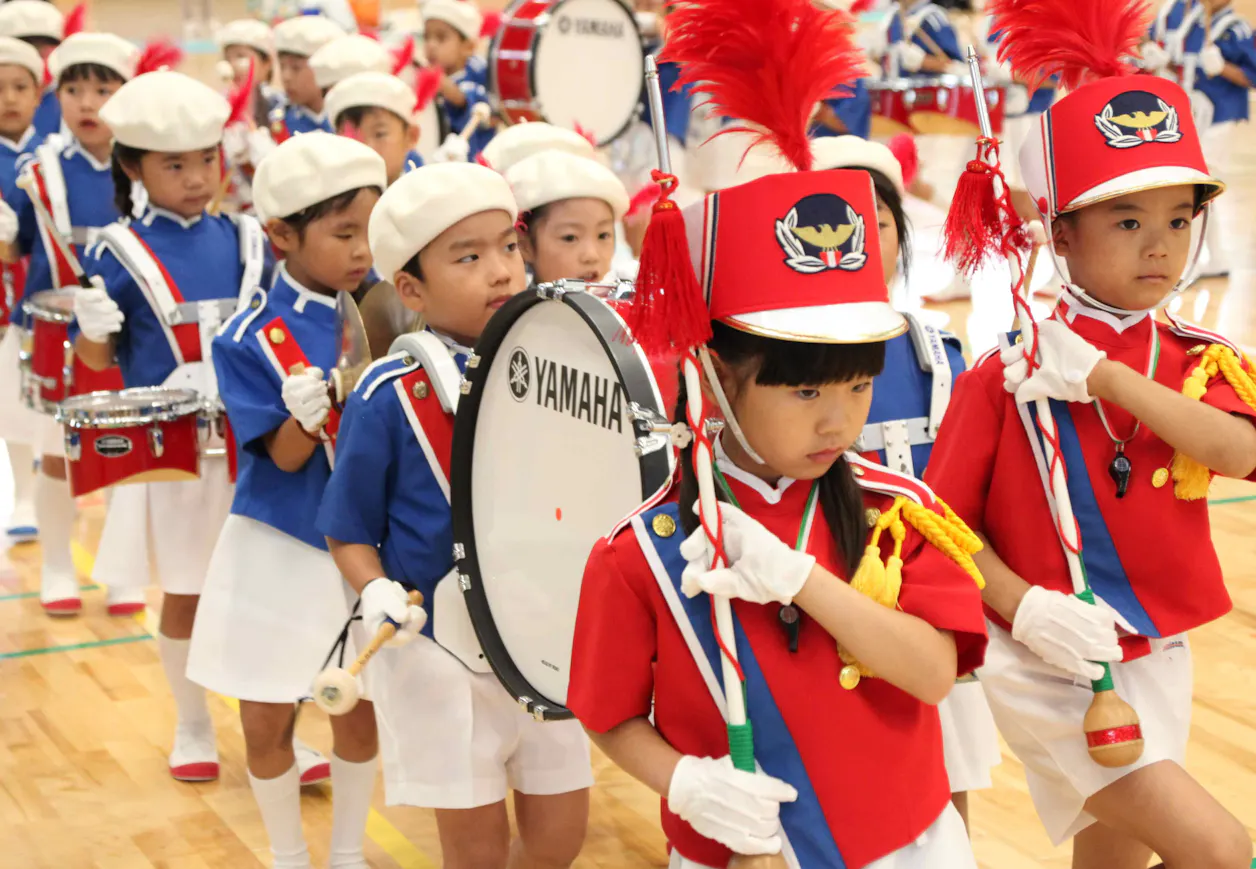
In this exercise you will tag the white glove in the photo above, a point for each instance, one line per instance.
(98, 315)
(307, 399)
(453, 150)
(8, 223)
(740, 810)
(764, 568)
(959, 69)
(1211, 61)
(235, 144)
(1065, 361)
(384, 599)
(1155, 58)
(1067, 632)
(911, 56)
(260, 145)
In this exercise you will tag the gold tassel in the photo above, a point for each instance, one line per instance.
(1191, 479)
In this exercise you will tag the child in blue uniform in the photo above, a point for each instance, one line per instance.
(245, 41)
(77, 189)
(42, 25)
(296, 40)
(273, 598)
(451, 30)
(379, 110)
(452, 738)
(152, 310)
(21, 77)
(569, 207)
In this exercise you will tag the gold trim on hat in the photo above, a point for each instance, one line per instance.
(868, 338)
(1211, 184)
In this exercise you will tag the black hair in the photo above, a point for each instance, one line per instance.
(412, 268)
(888, 193)
(336, 204)
(791, 363)
(528, 221)
(89, 71)
(356, 115)
(124, 155)
(41, 42)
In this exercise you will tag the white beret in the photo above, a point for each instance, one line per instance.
(249, 32)
(852, 152)
(305, 34)
(375, 89)
(15, 52)
(461, 15)
(312, 168)
(553, 176)
(521, 141)
(165, 111)
(105, 49)
(25, 18)
(349, 55)
(427, 201)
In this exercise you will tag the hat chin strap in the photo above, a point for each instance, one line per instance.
(1188, 276)
(726, 409)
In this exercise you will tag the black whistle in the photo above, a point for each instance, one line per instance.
(1120, 470)
(791, 624)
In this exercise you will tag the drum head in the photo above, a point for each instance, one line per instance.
(589, 67)
(545, 463)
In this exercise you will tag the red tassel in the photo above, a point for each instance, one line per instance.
(982, 224)
(403, 55)
(75, 20)
(668, 310)
(859, 7)
(587, 134)
(426, 86)
(648, 194)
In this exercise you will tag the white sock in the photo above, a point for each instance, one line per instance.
(279, 800)
(54, 508)
(352, 785)
(22, 462)
(189, 698)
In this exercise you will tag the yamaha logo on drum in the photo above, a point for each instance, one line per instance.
(520, 373)
(113, 446)
(568, 390)
(591, 27)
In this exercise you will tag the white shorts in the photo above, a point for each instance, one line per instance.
(970, 742)
(1039, 711)
(269, 615)
(49, 437)
(453, 739)
(944, 845)
(171, 526)
(18, 423)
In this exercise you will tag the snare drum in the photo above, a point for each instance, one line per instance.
(946, 106)
(50, 370)
(569, 62)
(144, 435)
(891, 113)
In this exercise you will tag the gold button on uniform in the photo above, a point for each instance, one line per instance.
(1160, 477)
(663, 525)
(276, 335)
(849, 677)
(419, 389)
(872, 515)
(1197, 350)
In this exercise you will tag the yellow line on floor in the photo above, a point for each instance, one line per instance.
(378, 828)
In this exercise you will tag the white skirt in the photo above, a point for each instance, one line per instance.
(970, 741)
(171, 527)
(270, 612)
(18, 423)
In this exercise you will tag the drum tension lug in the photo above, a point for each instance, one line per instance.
(464, 582)
(460, 552)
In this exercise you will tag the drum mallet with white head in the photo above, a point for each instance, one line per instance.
(336, 689)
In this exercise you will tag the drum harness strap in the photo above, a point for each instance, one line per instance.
(50, 181)
(285, 355)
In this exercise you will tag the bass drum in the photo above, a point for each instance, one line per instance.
(559, 437)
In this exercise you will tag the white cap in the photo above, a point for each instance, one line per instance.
(375, 89)
(553, 176)
(305, 34)
(521, 141)
(312, 168)
(166, 111)
(346, 56)
(15, 52)
(427, 201)
(461, 15)
(247, 31)
(105, 49)
(26, 18)
(852, 152)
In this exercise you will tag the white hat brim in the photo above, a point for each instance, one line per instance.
(1146, 179)
(852, 323)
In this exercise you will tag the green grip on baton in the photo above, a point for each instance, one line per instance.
(1104, 682)
(741, 746)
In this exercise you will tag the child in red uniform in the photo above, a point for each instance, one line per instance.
(1118, 174)
(791, 274)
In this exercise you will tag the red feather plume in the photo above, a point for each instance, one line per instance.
(76, 20)
(403, 55)
(765, 64)
(159, 54)
(1080, 40)
(859, 7)
(492, 23)
(903, 147)
(241, 98)
(586, 134)
(647, 195)
(426, 86)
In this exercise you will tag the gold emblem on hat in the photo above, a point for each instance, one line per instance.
(663, 525)
(1160, 478)
(419, 389)
(872, 515)
(276, 335)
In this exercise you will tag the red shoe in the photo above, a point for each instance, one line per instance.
(195, 772)
(125, 602)
(195, 755)
(314, 768)
(67, 606)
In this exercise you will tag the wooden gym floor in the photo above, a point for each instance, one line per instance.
(85, 717)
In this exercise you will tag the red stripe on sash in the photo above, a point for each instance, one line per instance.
(292, 360)
(436, 423)
(188, 335)
(62, 274)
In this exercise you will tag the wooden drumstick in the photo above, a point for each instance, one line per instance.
(336, 690)
(386, 632)
(479, 114)
(759, 861)
(27, 182)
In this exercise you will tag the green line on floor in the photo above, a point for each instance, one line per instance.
(74, 647)
(29, 594)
